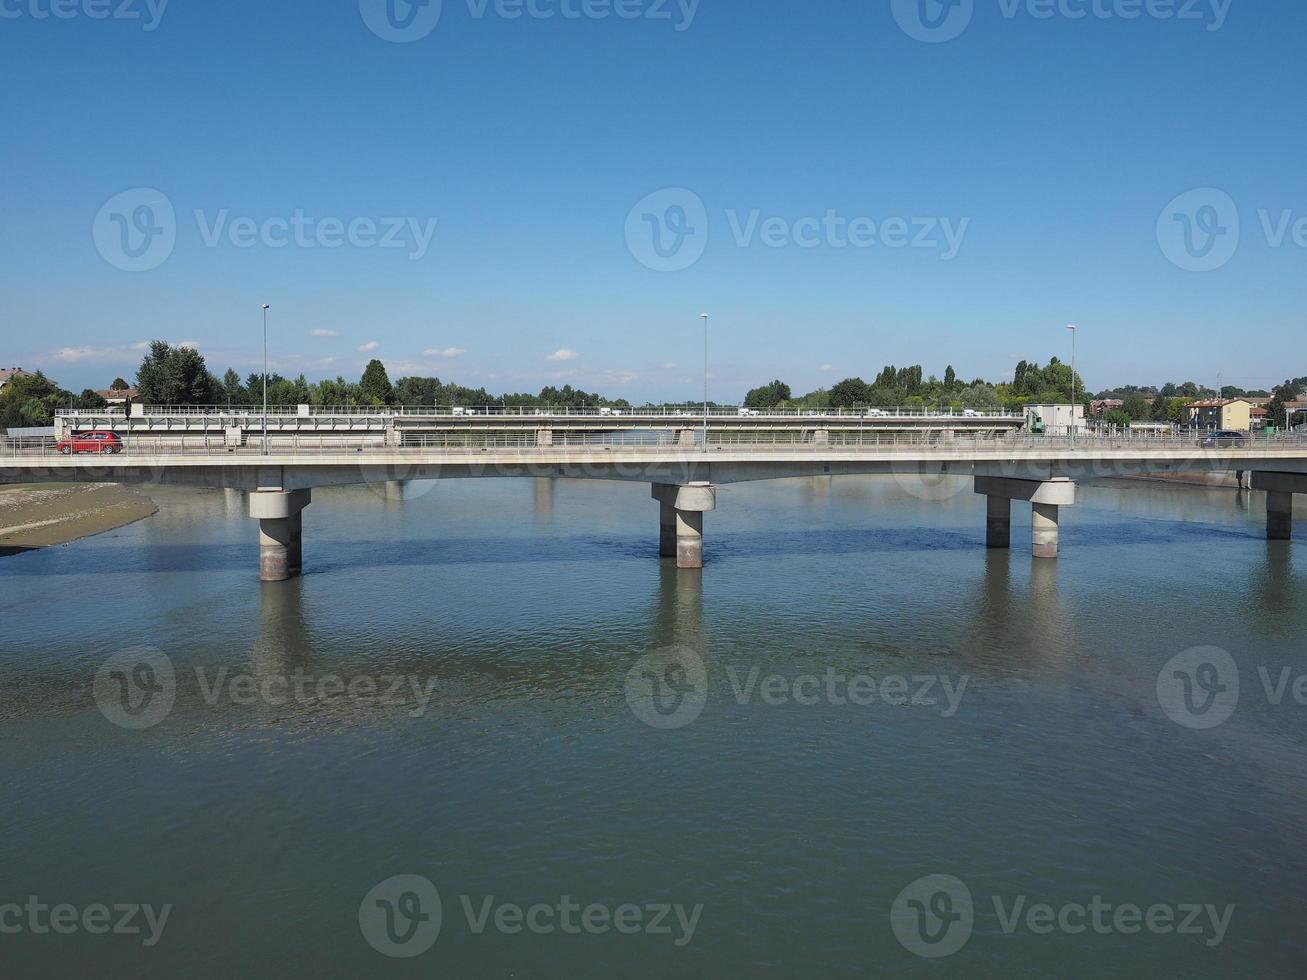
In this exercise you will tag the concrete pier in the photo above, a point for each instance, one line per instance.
(1279, 488)
(998, 522)
(1279, 515)
(688, 504)
(666, 531)
(1045, 497)
(281, 532)
(1043, 530)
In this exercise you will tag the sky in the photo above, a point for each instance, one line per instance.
(514, 194)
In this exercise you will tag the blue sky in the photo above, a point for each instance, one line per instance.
(1049, 145)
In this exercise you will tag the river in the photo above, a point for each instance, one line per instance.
(493, 691)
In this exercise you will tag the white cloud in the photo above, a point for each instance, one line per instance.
(563, 355)
(826, 368)
(444, 352)
(369, 347)
(188, 343)
(72, 355)
(324, 333)
(670, 366)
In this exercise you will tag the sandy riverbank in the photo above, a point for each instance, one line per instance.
(41, 515)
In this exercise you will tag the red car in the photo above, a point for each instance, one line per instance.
(98, 441)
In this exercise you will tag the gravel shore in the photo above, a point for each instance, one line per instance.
(41, 515)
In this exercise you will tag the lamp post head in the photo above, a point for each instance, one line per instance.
(266, 306)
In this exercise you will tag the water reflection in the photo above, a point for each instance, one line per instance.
(282, 643)
(544, 496)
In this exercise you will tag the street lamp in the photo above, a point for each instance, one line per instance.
(1073, 329)
(705, 381)
(265, 378)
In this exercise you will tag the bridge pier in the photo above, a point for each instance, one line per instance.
(998, 522)
(1280, 488)
(281, 532)
(683, 535)
(1045, 497)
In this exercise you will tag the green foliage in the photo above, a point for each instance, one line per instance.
(980, 396)
(768, 396)
(31, 401)
(375, 384)
(90, 400)
(119, 385)
(849, 393)
(175, 376)
(1136, 408)
(1118, 417)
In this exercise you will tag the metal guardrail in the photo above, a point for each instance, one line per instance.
(654, 442)
(686, 412)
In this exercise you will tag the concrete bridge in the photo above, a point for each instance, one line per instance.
(1042, 471)
(199, 427)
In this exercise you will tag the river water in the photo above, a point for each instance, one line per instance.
(605, 767)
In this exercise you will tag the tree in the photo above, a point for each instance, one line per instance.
(1276, 414)
(1118, 417)
(31, 400)
(174, 376)
(1162, 409)
(950, 378)
(768, 396)
(119, 385)
(375, 384)
(90, 400)
(1136, 408)
(233, 391)
(979, 395)
(849, 393)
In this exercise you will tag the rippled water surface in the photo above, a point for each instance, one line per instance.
(520, 769)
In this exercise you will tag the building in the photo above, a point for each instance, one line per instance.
(8, 374)
(1233, 414)
(1101, 406)
(1055, 420)
(119, 396)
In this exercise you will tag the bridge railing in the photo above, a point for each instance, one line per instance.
(685, 412)
(315, 445)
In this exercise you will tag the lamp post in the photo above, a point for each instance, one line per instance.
(705, 381)
(265, 379)
(1073, 329)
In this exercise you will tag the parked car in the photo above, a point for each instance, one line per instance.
(877, 413)
(970, 413)
(98, 441)
(1224, 439)
(746, 413)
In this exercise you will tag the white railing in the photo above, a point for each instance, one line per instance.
(686, 412)
(307, 445)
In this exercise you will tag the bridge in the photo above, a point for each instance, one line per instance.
(288, 427)
(1040, 470)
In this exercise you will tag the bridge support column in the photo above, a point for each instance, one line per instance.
(395, 490)
(666, 531)
(1279, 515)
(1280, 488)
(544, 437)
(998, 522)
(687, 504)
(281, 532)
(685, 437)
(1045, 497)
(1043, 530)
